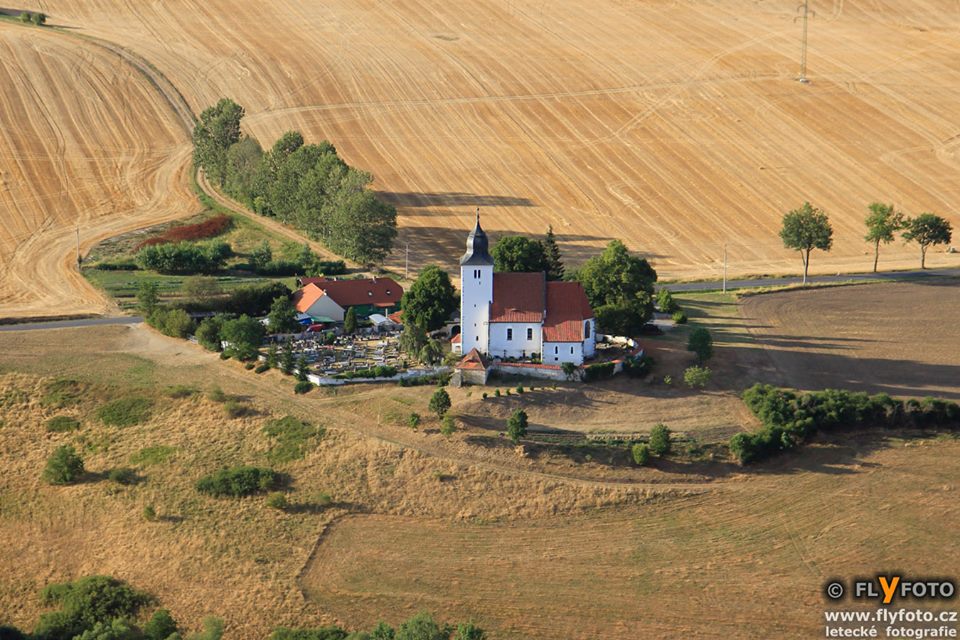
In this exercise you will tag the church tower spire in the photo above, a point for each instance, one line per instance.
(478, 246)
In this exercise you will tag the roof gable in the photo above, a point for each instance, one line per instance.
(518, 297)
(381, 292)
(567, 309)
(306, 297)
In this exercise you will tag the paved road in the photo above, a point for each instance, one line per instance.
(67, 324)
(776, 282)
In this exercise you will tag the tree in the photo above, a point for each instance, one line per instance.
(697, 376)
(148, 296)
(244, 336)
(440, 402)
(39, 19)
(283, 316)
(621, 283)
(569, 369)
(882, 223)
(448, 425)
(551, 251)
(431, 353)
(212, 630)
(659, 441)
(666, 302)
(200, 289)
(350, 321)
(806, 229)
(421, 627)
(261, 256)
(64, 466)
(382, 631)
(700, 342)
(25, 16)
(273, 356)
(208, 333)
(412, 339)
(242, 166)
(517, 425)
(926, 230)
(302, 368)
(641, 454)
(519, 254)
(217, 129)
(430, 300)
(287, 358)
(469, 631)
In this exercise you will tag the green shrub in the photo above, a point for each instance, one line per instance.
(323, 633)
(64, 466)
(249, 366)
(125, 412)
(660, 440)
(208, 332)
(517, 425)
(697, 376)
(302, 386)
(413, 421)
(679, 317)
(277, 500)
(152, 455)
(160, 626)
(180, 391)
(641, 454)
(600, 371)
(175, 323)
(638, 367)
(238, 481)
(224, 355)
(520, 388)
(700, 342)
(292, 438)
(149, 513)
(184, 257)
(262, 367)
(496, 393)
(85, 603)
(61, 393)
(484, 395)
(235, 409)
(123, 475)
(440, 402)
(380, 371)
(216, 394)
(666, 302)
(447, 425)
(61, 424)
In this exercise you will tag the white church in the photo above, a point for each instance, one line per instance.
(518, 315)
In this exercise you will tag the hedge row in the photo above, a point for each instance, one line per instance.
(380, 371)
(599, 371)
(184, 257)
(790, 419)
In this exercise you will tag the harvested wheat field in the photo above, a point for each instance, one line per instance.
(899, 338)
(676, 126)
(87, 142)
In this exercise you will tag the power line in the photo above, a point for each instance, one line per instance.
(805, 12)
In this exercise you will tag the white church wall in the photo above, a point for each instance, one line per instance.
(560, 352)
(519, 345)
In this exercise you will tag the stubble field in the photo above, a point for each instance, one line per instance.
(676, 126)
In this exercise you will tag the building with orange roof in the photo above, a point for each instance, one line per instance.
(328, 300)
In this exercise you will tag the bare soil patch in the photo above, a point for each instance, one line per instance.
(899, 338)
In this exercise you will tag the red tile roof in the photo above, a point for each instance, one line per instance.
(567, 308)
(380, 292)
(396, 317)
(472, 360)
(518, 297)
(457, 339)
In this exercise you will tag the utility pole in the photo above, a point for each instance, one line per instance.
(406, 263)
(805, 13)
(79, 258)
(724, 267)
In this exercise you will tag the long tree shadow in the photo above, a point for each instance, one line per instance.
(451, 199)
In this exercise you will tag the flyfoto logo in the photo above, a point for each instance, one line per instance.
(887, 589)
